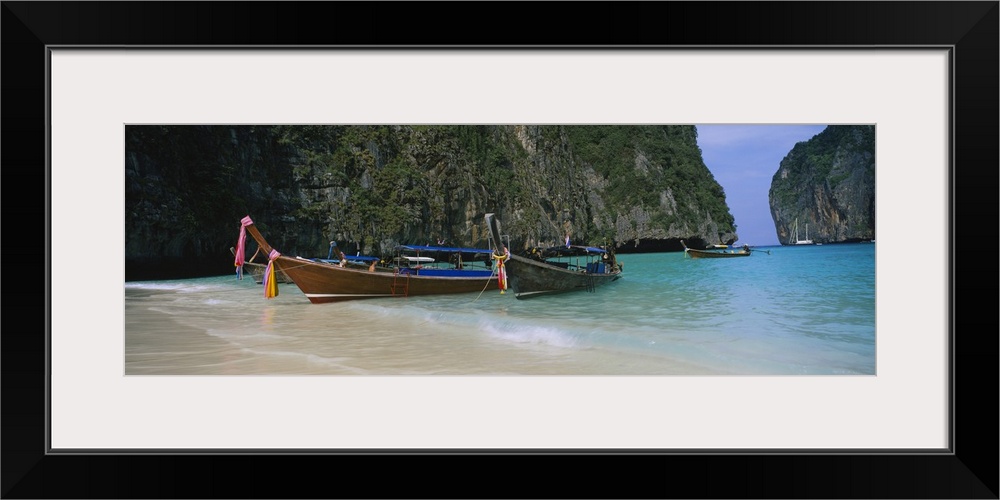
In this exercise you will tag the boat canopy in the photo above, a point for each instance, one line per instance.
(350, 258)
(434, 249)
(414, 259)
(571, 251)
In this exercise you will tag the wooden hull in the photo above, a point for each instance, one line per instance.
(322, 282)
(716, 254)
(529, 278)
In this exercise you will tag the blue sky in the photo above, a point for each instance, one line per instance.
(743, 158)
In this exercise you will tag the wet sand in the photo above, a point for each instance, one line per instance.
(237, 332)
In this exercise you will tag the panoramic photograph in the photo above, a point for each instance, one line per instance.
(520, 250)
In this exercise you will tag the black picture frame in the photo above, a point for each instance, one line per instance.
(969, 471)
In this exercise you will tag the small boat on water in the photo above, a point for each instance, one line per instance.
(796, 240)
(715, 253)
(323, 282)
(555, 269)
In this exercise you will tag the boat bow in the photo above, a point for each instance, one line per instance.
(531, 277)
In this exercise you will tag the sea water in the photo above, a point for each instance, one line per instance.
(804, 310)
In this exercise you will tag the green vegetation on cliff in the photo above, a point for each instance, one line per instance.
(371, 187)
(829, 183)
(641, 162)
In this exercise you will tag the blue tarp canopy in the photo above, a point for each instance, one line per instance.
(364, 258)
(350, 258)
(433, 249)
(573, 250)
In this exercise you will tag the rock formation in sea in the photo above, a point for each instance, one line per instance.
(827, 182)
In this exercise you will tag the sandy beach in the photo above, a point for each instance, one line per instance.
(223, 327)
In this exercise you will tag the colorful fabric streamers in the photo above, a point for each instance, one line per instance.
(241, 246)
(270, 283)
(501, 271)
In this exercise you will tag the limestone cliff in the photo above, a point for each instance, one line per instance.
(639, 188)
(828, 183)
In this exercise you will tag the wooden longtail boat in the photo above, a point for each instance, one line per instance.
(553, 271)
(715, 254)
(323, 282)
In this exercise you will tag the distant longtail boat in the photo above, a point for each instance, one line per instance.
(717, 253)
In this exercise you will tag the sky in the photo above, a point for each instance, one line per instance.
(743, 158)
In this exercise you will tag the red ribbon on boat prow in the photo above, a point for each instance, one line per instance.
(241, 245)
(501, 272)
(270, 283)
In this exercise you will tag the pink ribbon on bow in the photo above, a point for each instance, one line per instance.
(270, 283)
(241, 246)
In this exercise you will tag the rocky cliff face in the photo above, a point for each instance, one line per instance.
(828, 183)
(371, 187)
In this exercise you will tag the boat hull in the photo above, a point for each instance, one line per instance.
(324, 283)
(528, 278)
(707, 254)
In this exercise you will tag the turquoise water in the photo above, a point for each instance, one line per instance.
(806, 310)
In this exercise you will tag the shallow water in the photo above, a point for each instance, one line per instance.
(796, 311)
